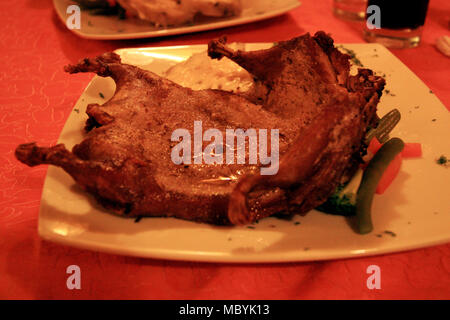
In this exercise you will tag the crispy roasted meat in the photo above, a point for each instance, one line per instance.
(305, 90)
(177, 12)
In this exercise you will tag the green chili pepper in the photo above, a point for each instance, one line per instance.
(369, 182)
(384, 127)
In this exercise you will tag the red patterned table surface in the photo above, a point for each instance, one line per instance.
(36, 97)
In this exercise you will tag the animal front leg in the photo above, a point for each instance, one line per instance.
(263, 64)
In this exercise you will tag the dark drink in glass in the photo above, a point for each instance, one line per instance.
(400, 22)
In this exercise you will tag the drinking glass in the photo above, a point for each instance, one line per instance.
(350, 9)
(395, 23)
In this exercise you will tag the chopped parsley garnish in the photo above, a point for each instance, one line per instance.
(389, 92)
(442, 160)
(390, 233)
(352, 55)
(101, 95)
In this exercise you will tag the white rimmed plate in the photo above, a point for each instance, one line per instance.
(413, 213)
(111, 28)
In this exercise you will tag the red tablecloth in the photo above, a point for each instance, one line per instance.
(36, 97)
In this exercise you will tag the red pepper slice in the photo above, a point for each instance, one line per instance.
(412, 150)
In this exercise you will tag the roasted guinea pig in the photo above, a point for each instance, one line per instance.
(303, 88)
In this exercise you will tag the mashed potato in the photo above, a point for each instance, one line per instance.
(201, 72)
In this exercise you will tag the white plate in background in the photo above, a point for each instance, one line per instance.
(103, 27)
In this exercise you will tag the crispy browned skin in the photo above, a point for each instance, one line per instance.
(307, 79)
(321, 112)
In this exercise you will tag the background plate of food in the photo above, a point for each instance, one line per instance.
(132, 19)
(412, 213)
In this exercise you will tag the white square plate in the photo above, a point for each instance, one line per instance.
(414, 211)
(102, 27)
